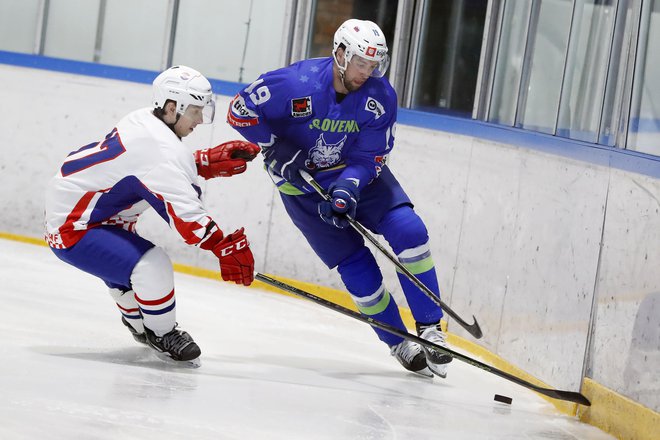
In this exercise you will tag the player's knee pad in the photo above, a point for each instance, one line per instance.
(360, 273)
(403, 229)
(153, 276)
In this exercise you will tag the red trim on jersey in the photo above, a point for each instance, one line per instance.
(71, 236)
(236, 122)
(155, 302)
(187, 229)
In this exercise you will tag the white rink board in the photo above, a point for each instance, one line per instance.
(515, 233)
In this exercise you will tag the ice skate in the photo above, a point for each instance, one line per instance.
(177, 346)
(139, 337)
(437, 361)
(411, 356)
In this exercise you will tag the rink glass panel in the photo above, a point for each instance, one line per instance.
(71, 29)
(146, 38)
(586, 69)
(449, 43)
(644, 122)
(230, 40)
(328, 15)
(18, 25)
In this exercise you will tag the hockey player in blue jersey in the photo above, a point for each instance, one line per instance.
(335, 118)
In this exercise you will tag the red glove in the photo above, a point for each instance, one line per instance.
(225, 159)
(236, 260)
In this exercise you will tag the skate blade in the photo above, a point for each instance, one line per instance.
(439, 370)
(193, 363)
(425, 372)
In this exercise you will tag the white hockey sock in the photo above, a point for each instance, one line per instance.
(153, 282)
(128, 307)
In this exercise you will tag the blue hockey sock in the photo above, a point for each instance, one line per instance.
(364, 281)
(419, 262)
(407, 235)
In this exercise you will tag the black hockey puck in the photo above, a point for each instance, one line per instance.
(503, 399)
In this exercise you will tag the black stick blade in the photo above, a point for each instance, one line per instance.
(474, 329)
(569, 396)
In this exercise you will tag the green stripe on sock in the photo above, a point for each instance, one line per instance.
(378, 307)
(419, 266)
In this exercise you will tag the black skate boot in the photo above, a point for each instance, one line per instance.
(139, 337)
(177, 344)
(410, 355)
(436, 360)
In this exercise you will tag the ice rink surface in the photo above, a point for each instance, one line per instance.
(273, 367)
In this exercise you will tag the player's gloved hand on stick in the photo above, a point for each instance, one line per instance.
(287, 161)
(236, 260)
(226, 159)
(345, 195)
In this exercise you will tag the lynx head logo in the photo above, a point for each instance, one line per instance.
(324, 155)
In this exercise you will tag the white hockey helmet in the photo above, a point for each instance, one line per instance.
(185, 86)
(365, 39)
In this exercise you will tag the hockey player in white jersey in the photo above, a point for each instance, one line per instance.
(94, 201)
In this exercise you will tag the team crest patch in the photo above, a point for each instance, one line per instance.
(324, 155)
(374, 107)
(301, 107)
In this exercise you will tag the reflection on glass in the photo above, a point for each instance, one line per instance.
(644, 124)
(18, 25)
(586, 69)
(448, 58)
(508, 68)
(134, 43)
(330, 14)
(611, 113)
(547, 45)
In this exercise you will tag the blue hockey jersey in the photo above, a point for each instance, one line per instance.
(296, 108)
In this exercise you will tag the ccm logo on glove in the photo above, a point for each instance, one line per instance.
(237, 246)
(236, 260)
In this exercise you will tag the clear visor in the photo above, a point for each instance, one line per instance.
(199, 114)
(374, 68)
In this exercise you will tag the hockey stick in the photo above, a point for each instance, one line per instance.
(473, 328)
(569, 396)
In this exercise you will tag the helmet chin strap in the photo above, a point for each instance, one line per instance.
(342, 69)
(178, 116)
(171, 126)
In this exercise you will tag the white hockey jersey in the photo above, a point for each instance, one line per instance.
(140, 164)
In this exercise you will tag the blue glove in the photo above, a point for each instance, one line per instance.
(345, 195)
(286, 160)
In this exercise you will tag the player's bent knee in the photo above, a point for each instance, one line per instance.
(403, 229)
(153, 272)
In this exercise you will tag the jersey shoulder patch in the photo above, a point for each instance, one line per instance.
(374, 106)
